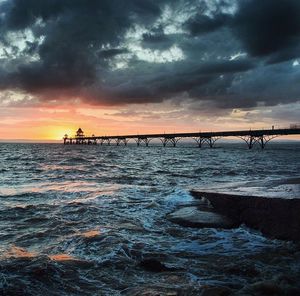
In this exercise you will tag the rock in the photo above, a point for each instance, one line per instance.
(216, 291)
(157, 293)
(193, 217)
(151, 291)
(130, 226)
(155, 266)
(274, 217)
(174, 231)
(242, 270)
(161, 290)
(262, 288)
(267, 288)
(203, 203)
(152, 205)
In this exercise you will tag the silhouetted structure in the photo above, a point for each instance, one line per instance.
(251, 137)
(79, 133)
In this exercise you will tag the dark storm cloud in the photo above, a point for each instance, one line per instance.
(201, 24)
(198, 81)
(112, 52)
(156, 40)
(268, 26)
(229, 53)
(264, 27)
(74, 32)
(221, 67)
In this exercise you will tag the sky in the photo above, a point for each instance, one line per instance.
(146, 66)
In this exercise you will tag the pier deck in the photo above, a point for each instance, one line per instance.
(251, 137)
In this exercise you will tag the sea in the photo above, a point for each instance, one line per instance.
(80, 219)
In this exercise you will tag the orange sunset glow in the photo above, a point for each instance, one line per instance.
(157, 67)
(51, 124)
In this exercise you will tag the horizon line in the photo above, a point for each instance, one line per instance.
(41, 141)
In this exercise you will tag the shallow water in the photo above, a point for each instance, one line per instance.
(77, 220)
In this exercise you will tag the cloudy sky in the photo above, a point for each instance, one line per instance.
(116, 66)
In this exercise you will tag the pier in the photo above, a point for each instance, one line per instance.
(250, 137)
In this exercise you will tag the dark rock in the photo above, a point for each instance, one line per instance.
(274, 217)
(193, 217)
(161, 291)
(242, 270)
(262, 288)
(144, 291)
(203, 204)
(216, 291)
(155, 266)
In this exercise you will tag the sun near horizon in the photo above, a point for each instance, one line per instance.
(161, 67)
(54, 129)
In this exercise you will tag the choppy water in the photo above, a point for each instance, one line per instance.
(77, 220)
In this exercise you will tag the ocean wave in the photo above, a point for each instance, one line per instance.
(82, 220)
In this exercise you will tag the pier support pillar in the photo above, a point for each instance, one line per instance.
(199, 141)
(172, 140)
(141, 140)
(210, 141)
(105, 140)
(261, 140)
(120, 140)
(251, 142)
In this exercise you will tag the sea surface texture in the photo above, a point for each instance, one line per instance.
(79, 220)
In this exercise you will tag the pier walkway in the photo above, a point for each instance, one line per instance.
(251, 137)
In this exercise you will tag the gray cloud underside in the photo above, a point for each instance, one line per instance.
(231, 54)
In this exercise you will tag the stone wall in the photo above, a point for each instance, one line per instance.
(274, 217)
